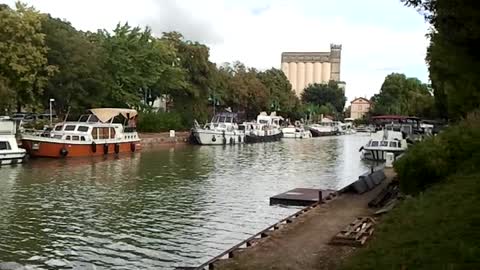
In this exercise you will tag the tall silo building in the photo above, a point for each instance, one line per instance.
(305, 68)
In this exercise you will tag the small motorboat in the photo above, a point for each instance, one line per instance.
(222, 129)
(265, 129)
(10, 153)
(296, 132)
(383, 142)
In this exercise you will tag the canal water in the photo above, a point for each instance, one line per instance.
(162, 208)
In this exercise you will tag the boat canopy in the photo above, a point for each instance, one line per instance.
(105, 114)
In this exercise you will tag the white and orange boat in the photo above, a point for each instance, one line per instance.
(94, 134)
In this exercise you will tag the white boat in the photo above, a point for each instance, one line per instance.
(222, 130)
(10, 153)
(296, 132)
(383, 142)
(323, 129)
(265, 129)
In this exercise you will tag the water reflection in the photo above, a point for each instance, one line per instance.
(159, 209)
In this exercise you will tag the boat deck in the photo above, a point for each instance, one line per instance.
(301, 196)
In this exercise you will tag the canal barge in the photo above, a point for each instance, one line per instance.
(10, 153)
(296, 132)
(94, 134)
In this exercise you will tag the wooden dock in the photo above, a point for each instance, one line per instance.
(302, 196)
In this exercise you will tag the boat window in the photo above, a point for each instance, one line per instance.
(374, 143)
(384, 143)
(67, 137)
(222, 119)
(82, 138)
(58, 128)
(75, 138)
(69, 127)
(393, 144)
(399, 144)
(103, 133)
(95, 133)
(112, 133)
(229, 119)
(82, 128)
(5, 146)
(57, 136)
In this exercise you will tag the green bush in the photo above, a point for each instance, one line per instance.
(457, 148)
(159, 122)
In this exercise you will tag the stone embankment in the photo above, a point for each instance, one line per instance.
(151, 140)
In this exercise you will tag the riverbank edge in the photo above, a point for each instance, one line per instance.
(304, 244)
(159, 139)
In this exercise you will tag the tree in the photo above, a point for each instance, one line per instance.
(403, 96)
(281, 96)
(136, 62)
(323, 94)
(81, 80)
(24, 70)
(453, 56)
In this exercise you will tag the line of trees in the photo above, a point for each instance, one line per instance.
(42, 57)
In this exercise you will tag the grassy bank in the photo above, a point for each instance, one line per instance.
(439, 226)
(438, 229)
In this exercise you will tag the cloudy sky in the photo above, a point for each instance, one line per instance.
(378, 36)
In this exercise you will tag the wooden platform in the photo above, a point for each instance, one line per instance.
(302, 196)
(356, 233)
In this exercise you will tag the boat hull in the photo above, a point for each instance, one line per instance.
(318, 133)
(39, 148)
(14, 157)
(258, 139)
(212, 137)
(379, 155)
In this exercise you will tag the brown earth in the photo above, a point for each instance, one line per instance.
(303, 244)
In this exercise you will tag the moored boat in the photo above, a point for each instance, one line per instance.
(296, 132)
(265, 129)
(383, 142)
(10, 153)
(323, 129)
(94, 134)
(223, 129)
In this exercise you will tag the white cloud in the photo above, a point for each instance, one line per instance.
(256, 32)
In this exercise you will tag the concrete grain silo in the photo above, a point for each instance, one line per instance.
(305, 68)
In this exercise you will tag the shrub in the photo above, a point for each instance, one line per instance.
(159, 121)
(457, 148)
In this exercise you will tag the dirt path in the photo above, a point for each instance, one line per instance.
(303, 245)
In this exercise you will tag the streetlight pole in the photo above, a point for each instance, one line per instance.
(51, 100)
(214, 101)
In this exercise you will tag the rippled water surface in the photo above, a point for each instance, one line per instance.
(163, 208)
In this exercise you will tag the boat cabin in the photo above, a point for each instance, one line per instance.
(223, 121)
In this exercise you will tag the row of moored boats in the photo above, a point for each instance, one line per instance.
(224, 128)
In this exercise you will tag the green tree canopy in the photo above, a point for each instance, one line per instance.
(281, 97)
(403, 96)
(453, 56)
(80, 82)
(24, 70)
(323, 94)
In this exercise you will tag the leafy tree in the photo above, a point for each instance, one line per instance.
(80, 81)
(453, 56)
(24, 70)
(403, 96)
(136, 61)
(322, 94)
(281, 96)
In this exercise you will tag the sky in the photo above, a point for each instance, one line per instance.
(378, 37)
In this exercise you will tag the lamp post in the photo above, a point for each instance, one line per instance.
(51, 100)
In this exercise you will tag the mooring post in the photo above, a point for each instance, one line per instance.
(319, 196)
